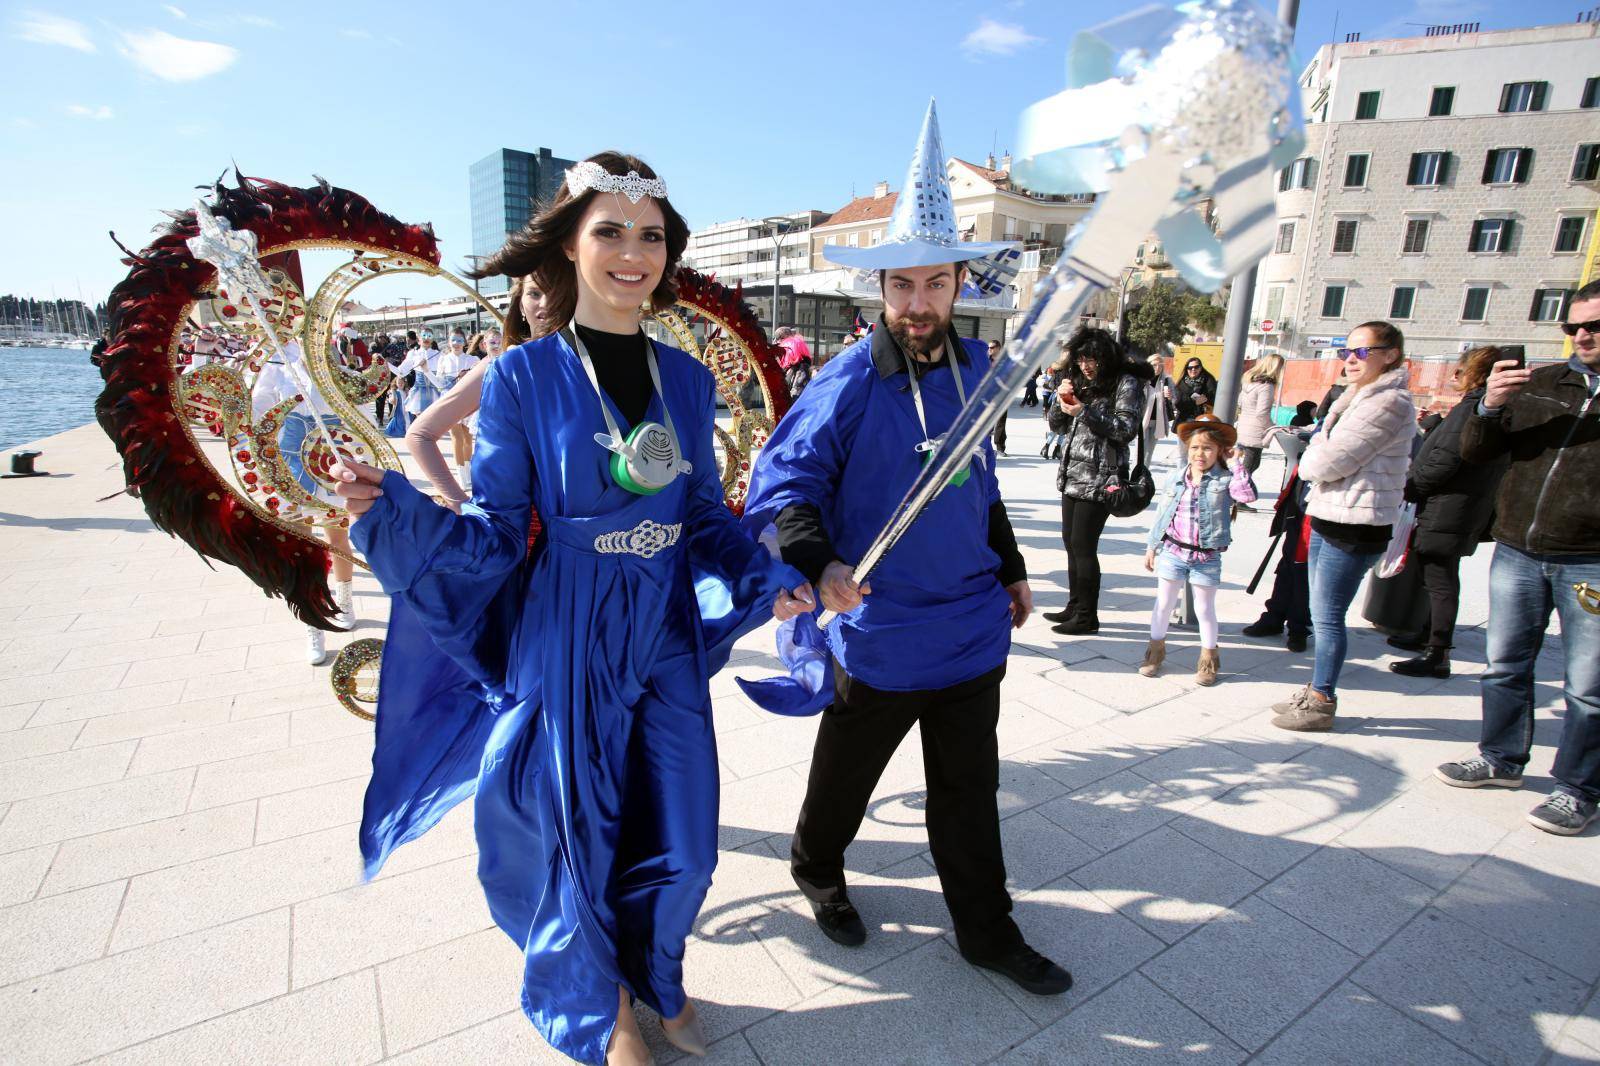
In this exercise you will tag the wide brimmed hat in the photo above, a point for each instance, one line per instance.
(922, 230)
(1212, 423)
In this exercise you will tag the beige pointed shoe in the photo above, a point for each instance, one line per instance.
(1206, 672)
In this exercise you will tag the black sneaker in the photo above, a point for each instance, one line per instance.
(1263, 627)
(1562, 813)
(1476, 772)
(840, 922)
(1030, 970)
(1295, 642)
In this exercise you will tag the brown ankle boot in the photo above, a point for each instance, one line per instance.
(1206, 672)
(1155, 653)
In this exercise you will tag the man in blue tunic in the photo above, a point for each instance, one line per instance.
(925, 640)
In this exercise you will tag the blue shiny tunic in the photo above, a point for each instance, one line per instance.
(566, 687)
(937, 615)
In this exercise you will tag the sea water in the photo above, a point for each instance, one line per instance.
(44, 391)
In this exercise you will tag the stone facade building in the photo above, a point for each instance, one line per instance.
(1449, 184)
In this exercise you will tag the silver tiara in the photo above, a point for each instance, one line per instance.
(591, 175)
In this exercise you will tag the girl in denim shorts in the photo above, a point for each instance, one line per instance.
(1191, 531)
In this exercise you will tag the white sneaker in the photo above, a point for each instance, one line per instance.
(316, 646)
(344, 595)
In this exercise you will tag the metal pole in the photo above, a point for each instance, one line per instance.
(1236, 330)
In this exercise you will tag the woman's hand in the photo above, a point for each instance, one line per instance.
(788, 604)
(357, 484)
(1150, 559)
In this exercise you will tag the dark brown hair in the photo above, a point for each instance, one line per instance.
(537, 249)
(1386, 334)
(516, 328)
(1474, 367)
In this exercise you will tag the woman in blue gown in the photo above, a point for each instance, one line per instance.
(565, 684)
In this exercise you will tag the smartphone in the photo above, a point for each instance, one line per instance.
(1515, 352)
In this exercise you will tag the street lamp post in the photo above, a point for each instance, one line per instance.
(477, 306)
(780, 230)
(405, 304)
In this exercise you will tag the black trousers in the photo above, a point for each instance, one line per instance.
(1252, 457)
(1000, 432)
(1082, 522)
(1290, 602)
(1441, 576)
(383, 404)
(858, 734)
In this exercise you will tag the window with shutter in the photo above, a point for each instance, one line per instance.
(1416, 240)
(1344, 236)
(1507, 166)
(1591, 93)
(1490, 235)
(1333, 301)
(1285, 237)
(1355, 170)
(1427, 168)
(1403, 300)
(1523, 96)
(1443, 101)
(1367, 106)
(1586, 163)
(1569, 233)
(1475, 308)
(1523, 165)
(1549, 305)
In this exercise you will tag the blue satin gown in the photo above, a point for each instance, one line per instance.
(566, 686)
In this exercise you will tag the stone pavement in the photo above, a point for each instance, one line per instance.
(179, 879)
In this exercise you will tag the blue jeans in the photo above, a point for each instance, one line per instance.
(1335, 575)
(1522, 589)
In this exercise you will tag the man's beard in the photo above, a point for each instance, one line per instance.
(933, 342)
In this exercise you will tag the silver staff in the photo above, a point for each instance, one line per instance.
(1206, 115)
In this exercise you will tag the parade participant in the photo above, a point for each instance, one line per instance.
(525, 316)
(925, 641)
(795, 360)
(453, 366)
(566, 685)
(1191, 531)
(1356, 466)
(1547, 554)
(273, 385)
(453, 411)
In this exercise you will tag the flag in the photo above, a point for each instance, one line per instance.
(860, 327)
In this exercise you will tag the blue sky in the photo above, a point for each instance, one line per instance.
(116, 111)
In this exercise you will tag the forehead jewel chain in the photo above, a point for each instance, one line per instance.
(591, 175)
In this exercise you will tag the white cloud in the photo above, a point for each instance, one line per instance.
(993, 38)
(176, 58)
(261, 22)
(176, 12)
(53, 29)
(357, 35)
(99, 114)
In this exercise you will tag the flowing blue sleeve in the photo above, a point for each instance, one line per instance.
(452, 571)
(736, 578)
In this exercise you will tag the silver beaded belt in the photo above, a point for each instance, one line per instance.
(646, 540)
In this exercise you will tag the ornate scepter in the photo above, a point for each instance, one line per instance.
(1169, 107)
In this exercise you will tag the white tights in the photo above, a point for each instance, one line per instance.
(1205, 609)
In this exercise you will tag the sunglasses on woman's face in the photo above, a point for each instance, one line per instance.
(1571, 328)
(1360, 353)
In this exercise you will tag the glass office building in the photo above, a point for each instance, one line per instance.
(504, 186)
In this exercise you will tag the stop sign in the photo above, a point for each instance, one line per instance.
(1267, 324)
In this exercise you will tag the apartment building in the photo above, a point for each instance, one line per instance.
(1449, 183)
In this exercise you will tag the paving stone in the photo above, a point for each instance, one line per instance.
(123, 999)
(101, 653)
(1253, 973)
(1352, 1028)
(16, 715)
(1348, 896)
(1569, 1052)
(1038, 851)
(116, 701)
(93, 810)
(1549, 917)
(1114, 810)
(312, 693)
(1422, 834)
(1165, 725)
(332, 1024)
(63, 683)
(56, 932)
(284, 770)
(1502, 1004)
(308, 810)
(757, 749)
(1167, 883)
(121, 853)
(1132, 1024)
(150, 722)
(1118, 686)
(22, 872)
(44, 775)
(444, 989)
(41, 740)
(757, 807)
(209, 744)
(508, 1038)
(927, 1006)
(1021, 727)
(394, 916)
(1263, 834)
(1086, 756)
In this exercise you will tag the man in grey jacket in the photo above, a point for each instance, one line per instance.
(1547, 554)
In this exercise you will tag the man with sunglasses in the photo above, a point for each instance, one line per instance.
(1547, 525)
